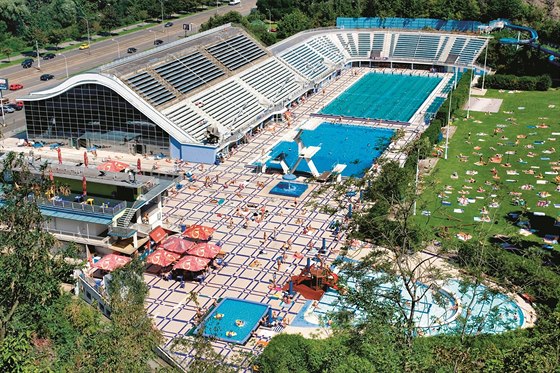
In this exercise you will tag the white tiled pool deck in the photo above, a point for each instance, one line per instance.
(247, 274)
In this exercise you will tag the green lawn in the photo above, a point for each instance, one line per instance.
(521, 119)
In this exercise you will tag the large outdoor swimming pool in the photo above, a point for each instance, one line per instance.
(383, 96)
(355, 146)
(233, 320)
(442, 311)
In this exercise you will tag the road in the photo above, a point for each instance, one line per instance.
(99, 53)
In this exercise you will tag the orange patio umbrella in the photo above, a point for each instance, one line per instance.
(162, 258)
(199, 232)
(192, 263)
(139, 166)
(205, 250)
(112, 166)
(177, 244)
(111, 262)
(86, 160)
(59, 151)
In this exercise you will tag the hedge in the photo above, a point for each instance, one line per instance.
(520, 83)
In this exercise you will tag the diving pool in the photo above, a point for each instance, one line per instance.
(233, 320)
(383, 96)
(355, 146)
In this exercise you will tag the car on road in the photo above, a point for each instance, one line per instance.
(15, 86)
(27, 63)
(49, 56)
(234, 2)
(132, 50)
(45, 77)
(7, 109)
(158, 42)
(15, 106)
(168, 24)
(84, 46)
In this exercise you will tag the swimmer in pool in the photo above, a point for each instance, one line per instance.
(219, 316)
(240, 323)
(230, 333)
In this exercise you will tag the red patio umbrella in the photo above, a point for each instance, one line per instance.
(86, 160)
(139, 166)
(111, 262)
(192, 263)
(59, 155)
(112, 166)
(84, 185)
(177, 244)
(162, 258)
(199, 232)
(205, 250)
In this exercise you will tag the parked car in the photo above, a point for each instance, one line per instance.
(15, 106)
(27, 63)
(15, 86)
(7, 109)
(158, 42)
(132, 50)
(49, 56)
(84, 46)
(45, 77)
(234, 2)
(168, 24)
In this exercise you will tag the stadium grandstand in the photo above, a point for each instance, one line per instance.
(196, 97)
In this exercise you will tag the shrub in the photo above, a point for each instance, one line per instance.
(521, 83)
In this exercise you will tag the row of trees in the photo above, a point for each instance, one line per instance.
(22, 22)
(43, 328)
(324, 12)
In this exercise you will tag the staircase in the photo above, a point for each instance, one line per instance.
(124, 220)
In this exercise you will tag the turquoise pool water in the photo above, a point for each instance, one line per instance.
(383, 96)
(289, 189)
(444, 312)
(356, 146)
(231, 310)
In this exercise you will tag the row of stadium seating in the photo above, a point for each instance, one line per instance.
(237, 101)
(311, 57)
(186, 73)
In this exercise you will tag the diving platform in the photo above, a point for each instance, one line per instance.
(336, 171)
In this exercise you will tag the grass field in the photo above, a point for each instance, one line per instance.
(494, 160)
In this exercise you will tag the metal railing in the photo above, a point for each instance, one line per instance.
(76, 206)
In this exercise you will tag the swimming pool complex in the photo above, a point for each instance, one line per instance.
(356, 146)
(383, 96)
(233, 320)
(441, 311)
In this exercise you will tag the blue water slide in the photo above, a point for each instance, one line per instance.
(533, 39)
(553, 55)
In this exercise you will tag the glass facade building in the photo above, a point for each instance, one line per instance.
(92, 115)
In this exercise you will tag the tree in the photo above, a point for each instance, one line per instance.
(128, 343)
(28, 269)
(293, 23)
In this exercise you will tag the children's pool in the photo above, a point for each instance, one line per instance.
(355, 146)
(233, 320)
(289, 189)
(383, 96)
(446, 310)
